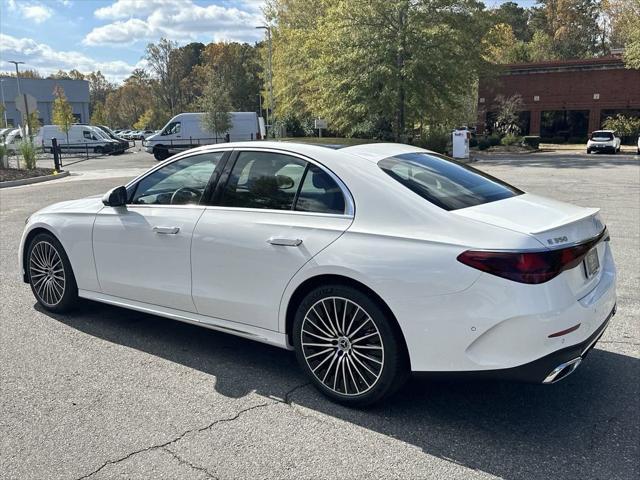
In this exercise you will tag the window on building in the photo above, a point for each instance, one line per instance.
(77, 118)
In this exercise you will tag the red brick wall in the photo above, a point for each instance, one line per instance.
(565, 90)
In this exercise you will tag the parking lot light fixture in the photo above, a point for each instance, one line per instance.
(271, 105)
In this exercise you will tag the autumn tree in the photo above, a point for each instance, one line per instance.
(215, 104)
(98, 117)
(62, 111)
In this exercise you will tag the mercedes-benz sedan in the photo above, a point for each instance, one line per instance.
(371, 262)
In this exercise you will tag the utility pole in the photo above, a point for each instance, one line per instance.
(25, 120)
(6, 124)
(271, 104)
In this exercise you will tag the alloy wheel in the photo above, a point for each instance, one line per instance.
(342, 346)
(46, 271)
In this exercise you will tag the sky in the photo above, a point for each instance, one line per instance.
(111, 35)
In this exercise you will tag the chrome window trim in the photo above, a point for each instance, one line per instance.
(349, 204)
(271, 210)
(174, 158)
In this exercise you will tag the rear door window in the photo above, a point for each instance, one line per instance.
(444, 182)
(320, 193)
(263, 180)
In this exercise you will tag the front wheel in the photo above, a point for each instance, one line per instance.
(347, 345)
(50, 274)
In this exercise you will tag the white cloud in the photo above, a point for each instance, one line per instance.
(45, 59)
(182, 21)
(34, 11)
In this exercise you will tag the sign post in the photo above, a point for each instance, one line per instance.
(319, 124)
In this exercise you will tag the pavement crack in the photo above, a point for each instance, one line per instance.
(189, 464)
(175, 439)
(287, 396)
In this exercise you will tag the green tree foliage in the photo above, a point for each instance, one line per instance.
(625, 126)
(124, 106)
(362, 63)
(623, 22)
(216, 104)
(62, 112)
(572, 25)
(144, 121)
(98, 117)
(517, 17)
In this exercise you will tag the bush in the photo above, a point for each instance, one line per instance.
(531, 142)
(494, 140)
(28, 152)
(436, 140)
(510, 139)
(483, 144)
(473, 142)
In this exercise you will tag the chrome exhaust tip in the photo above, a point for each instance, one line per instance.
(562, 371)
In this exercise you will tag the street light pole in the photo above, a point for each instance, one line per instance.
(25, 119)
(271, 104)
(4, 104)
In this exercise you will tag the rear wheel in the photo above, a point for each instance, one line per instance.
(160, 153)
(588, 151)
(50, 274)
(348, 346)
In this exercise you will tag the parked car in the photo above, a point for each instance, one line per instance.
(370, 262)
(603, 141)
(124, 145)
(186, 130)
(80, 138)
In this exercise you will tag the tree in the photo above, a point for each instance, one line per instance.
(507, 116)
(98, 117)
(144, 121)
(62, 111)
(510, 13)
(166, 78)
(362, 63)
(572, 25)
(502, 46)
(625, 126)
(216, 105)
(623, 20)
(99, 89)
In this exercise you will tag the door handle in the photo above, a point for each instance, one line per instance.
(166, 230)
(285, 242)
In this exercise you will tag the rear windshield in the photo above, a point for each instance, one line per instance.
(602, 136)
(444, 182)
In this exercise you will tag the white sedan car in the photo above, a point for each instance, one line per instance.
(371, 262)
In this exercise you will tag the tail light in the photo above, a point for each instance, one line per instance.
(529, 267)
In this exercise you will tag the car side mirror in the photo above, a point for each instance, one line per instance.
(116, 197)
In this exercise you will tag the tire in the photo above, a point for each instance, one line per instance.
(588, 151)
(98, 150)
(160, 153)
(47, 264)
(328, 322)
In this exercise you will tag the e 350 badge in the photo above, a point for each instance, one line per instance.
(557, 240)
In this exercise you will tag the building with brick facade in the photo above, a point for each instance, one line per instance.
(567, 99)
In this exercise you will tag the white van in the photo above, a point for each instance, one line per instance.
(81, 138)
(12, 140)
(185, 131)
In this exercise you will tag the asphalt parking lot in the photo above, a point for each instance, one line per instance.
(109, 393)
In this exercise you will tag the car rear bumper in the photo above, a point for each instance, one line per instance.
(548, 369)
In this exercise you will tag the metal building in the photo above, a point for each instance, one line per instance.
(76, 91)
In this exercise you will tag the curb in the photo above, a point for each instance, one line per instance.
(29, 181)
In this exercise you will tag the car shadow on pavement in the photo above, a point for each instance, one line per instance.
(583, 427)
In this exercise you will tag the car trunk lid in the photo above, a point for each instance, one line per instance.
(554, 224)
